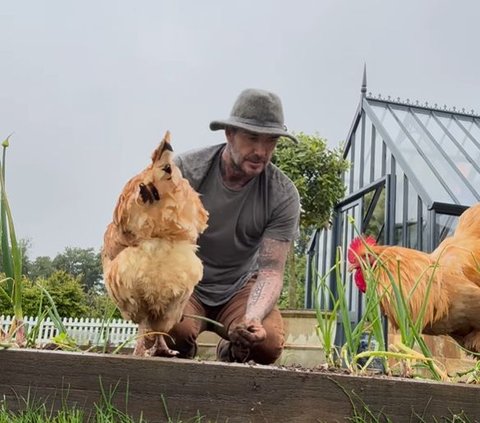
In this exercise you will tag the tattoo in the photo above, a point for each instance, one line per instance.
(267, 288)
(273, 254)
(257, 290)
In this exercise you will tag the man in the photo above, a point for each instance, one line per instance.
(254, 212)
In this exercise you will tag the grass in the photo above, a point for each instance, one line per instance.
(105, 412)
(362, 413)
(34, 411)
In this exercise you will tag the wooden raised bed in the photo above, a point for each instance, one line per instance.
(221, 392)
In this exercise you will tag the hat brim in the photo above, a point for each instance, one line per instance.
(216, 125)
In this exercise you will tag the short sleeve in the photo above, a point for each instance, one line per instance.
(283, 224)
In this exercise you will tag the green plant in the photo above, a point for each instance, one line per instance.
(316, 172)
(410, 328)
(326, 317)
(12, 286)
(370, 322)
(104, 411)
(363, 413)
(12, 258)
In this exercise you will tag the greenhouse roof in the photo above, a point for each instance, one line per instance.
(438, 148)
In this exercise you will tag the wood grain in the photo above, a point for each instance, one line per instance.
(219, 391)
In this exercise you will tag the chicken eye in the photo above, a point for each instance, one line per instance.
(167, 169)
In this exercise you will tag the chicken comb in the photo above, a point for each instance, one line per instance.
(357, 246)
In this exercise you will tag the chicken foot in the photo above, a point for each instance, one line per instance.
(471, 342)
(145, 341)
(152, 345)
(161, 349)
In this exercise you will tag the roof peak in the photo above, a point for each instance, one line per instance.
(424, 105)
(363, 90)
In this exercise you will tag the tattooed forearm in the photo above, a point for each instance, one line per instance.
(267, 288)
(256, 292)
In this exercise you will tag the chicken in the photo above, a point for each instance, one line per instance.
(149, 252)
(453, 303)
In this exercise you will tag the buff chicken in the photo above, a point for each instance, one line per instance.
(452, 270)
(149, 252)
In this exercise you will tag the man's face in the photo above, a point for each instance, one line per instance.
(250, 152)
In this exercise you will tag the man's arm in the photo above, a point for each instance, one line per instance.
(268, 286)
(264, 294)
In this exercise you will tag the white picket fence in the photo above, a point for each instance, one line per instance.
(85, 331)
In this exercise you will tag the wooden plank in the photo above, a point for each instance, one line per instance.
(221, 392)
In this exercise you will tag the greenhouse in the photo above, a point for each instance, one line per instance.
(414, 169)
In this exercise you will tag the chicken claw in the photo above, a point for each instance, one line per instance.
(160, 349)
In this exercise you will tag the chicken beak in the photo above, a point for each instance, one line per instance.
(351, 268)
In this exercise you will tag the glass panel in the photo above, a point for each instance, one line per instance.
(324, 263)
(321, 254)
(378, 157)
(412, 222)
(475, 129)
(474, 132)
(384, 154)
(347, 233)
(368, 152)
(453, 128)
(388, 162)
(462, 162)
(468, 145)
(357, 164)
(344, 240)
(375, 226)
(398, 228)
(425, 228)
(347, 236)
(469, 169)
(346, 179)
(447, 174)
(346, 174)
(411, 156)
(445, 226)
(436, 131)
(328, 249)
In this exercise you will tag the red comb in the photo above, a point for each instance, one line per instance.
(357, 245)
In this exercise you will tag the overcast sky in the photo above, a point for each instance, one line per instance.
(89, 87)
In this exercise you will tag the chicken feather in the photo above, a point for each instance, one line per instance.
(149, 252)
(452, 269)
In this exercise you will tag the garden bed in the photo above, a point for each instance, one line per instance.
(223, 392)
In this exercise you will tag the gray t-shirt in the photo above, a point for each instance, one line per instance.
(268, 206)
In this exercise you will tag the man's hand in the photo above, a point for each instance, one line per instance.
(247, 334)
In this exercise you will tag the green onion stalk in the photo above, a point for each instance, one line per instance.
(12, 258)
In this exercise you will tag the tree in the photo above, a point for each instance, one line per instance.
(65, 290)
(102, 306)
(67, 293)
(316, 171)
(82, 263)
(41, 267)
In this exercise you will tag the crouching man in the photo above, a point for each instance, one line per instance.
(254, 213)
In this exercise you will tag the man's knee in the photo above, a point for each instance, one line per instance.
(272, 347)
(268, 351)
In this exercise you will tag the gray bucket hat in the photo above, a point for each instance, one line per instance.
(256, 111)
